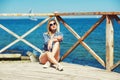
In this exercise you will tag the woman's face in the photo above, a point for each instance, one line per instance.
(53, 26)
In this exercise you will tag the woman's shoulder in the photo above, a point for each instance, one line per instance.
(45, 33)
(59, 33)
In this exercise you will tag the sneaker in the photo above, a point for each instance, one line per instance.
(46, 65)
(59, 67)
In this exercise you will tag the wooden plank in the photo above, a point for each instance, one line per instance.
(116, 18)
(93, 27)
(32, 46)
(25, 58)
(30, 31)
(109, 43)
(16, 70)
(35, 27)
(70, 50)
(60, 14)
(68, 27)
(87, 13)
(26, 14)
(9, 31)
(74, 33)
(9, 45)
(3, 56)
(33, 58)
(115, 65)
(12, 33)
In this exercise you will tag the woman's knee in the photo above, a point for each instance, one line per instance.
(49, 54)
(57, 43)
(43, 58)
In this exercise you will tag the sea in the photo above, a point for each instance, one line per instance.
(96, 40)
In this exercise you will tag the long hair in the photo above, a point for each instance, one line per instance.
(48, 26)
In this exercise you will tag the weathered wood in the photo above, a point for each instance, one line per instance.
(115, 65)
(16, 70)
(35, 27)
(87, 13)
(73, 32)
(26, 14)
(93, 27)
(116, 18)
(109, 43)
(83, 43)
(10, 56)
(25, 58)
(33, 58)
(30, 31)
(60, 14)
(9, 45)
(109, 40)
(13, 56)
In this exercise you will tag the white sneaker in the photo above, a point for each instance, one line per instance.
(46, 65)
(59, 67)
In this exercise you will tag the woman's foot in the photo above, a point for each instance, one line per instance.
(46, 65)
(59, 67)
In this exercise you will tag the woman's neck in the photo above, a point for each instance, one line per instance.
(52, 35)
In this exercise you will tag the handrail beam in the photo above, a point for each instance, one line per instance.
(60, 14)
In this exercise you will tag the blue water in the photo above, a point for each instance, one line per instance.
(96, 40)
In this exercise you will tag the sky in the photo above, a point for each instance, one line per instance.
(48, 6)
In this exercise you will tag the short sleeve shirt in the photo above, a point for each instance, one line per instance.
(47, 38)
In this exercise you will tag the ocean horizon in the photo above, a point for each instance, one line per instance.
(96, 40)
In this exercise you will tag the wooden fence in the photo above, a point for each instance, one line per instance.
(109, 16)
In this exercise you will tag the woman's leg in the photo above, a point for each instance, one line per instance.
(57, 55)
(43, 58)
(53, 56)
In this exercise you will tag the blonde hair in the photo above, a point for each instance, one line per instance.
(48, 26)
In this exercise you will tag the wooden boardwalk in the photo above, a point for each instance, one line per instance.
(110, 18)
(19, 70)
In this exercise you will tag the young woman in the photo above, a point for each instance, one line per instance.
(52, 39)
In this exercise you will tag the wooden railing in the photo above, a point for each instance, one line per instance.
(109, 16)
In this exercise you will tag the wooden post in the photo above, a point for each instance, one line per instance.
(109, 43)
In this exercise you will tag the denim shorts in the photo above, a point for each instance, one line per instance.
(46, 48)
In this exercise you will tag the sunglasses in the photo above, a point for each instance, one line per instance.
(53, 24)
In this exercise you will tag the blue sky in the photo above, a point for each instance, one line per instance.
(48, 6)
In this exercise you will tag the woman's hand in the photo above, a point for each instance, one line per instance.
(55, 39)
(58, 38)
